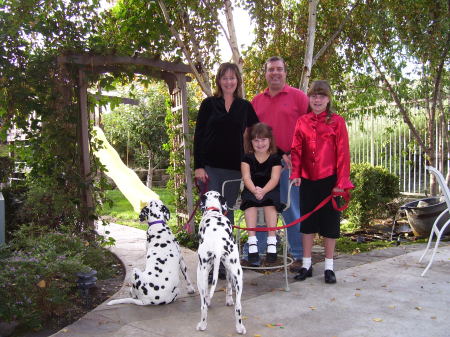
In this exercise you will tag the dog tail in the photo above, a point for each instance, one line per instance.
(126, 301)
(215, 275)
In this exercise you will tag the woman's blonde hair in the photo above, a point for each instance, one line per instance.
(259, 130)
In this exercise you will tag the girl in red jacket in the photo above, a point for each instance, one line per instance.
(320, 164)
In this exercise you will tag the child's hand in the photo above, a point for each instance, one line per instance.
(259, 193)
(297, 181)
(336, 189)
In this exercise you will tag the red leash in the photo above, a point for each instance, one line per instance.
(187, 225)
(345, 195)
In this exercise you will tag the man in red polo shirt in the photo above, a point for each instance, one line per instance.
(280, 106)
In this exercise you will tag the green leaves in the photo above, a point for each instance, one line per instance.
(135, 130)
(374, 187)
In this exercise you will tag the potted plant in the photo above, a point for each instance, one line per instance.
(422, 213)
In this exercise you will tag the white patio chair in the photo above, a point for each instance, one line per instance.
(286, 261)
(435, 230)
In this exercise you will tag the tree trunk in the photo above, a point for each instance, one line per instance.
(195, 62)
(309, 51)
(149, 183)
(232, 40)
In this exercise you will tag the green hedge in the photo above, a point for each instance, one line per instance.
(374, 187)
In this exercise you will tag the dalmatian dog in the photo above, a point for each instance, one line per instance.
(158, 283)
(217, 245)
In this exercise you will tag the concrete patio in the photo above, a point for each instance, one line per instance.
(380, 293)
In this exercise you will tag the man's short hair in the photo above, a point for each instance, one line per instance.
(274, 59)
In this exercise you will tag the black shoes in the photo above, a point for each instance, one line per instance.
(329, 276)
(303, 274)
(253, 259)
(271, 258)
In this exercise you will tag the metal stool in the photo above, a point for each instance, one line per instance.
(286, 261)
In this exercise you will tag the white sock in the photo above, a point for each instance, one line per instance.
(306, 262)
(252, 244)
(328, 264)
(271, 244)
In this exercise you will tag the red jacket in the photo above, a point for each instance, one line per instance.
(321, 149)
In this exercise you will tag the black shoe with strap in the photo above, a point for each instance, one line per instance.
(303, 274)
(271, 258)
(330, 277)
(253, 259)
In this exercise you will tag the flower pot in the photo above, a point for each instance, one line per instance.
(421, 218)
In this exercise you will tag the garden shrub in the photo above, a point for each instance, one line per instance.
(374, 187)
(6, 168)
(38, 274)
(14, 196)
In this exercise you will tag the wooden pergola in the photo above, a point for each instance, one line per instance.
(174, 74)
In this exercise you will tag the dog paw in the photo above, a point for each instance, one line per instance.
(240, 329)
(191, 290)
(229, 301)
(201, 326)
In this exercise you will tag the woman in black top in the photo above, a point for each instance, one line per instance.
(219, 134)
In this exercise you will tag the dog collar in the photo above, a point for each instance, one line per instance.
(155, 222)
(215, 209)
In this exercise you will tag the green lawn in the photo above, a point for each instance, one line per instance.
(121, 211)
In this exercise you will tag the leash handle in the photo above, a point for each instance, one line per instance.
(345, 195)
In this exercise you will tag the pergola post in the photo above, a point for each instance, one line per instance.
(181, 79)
(85, 159)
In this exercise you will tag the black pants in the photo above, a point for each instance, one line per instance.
(325, 221)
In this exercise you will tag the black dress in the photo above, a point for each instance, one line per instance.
(260, 174)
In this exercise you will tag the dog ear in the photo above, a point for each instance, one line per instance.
(165, 211)
(143, 216)
(202, 203)
(223, 203)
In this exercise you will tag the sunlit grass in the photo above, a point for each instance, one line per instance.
(121, 212)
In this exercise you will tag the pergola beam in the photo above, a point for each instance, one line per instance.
(100, 60)
(174, 74)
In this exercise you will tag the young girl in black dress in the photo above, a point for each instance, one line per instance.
(261, 169)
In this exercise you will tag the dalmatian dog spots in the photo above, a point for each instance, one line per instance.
(159, 282)
(217, 245)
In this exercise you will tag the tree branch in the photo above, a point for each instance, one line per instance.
(335, 35)
(204, 84)
(398, 102)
